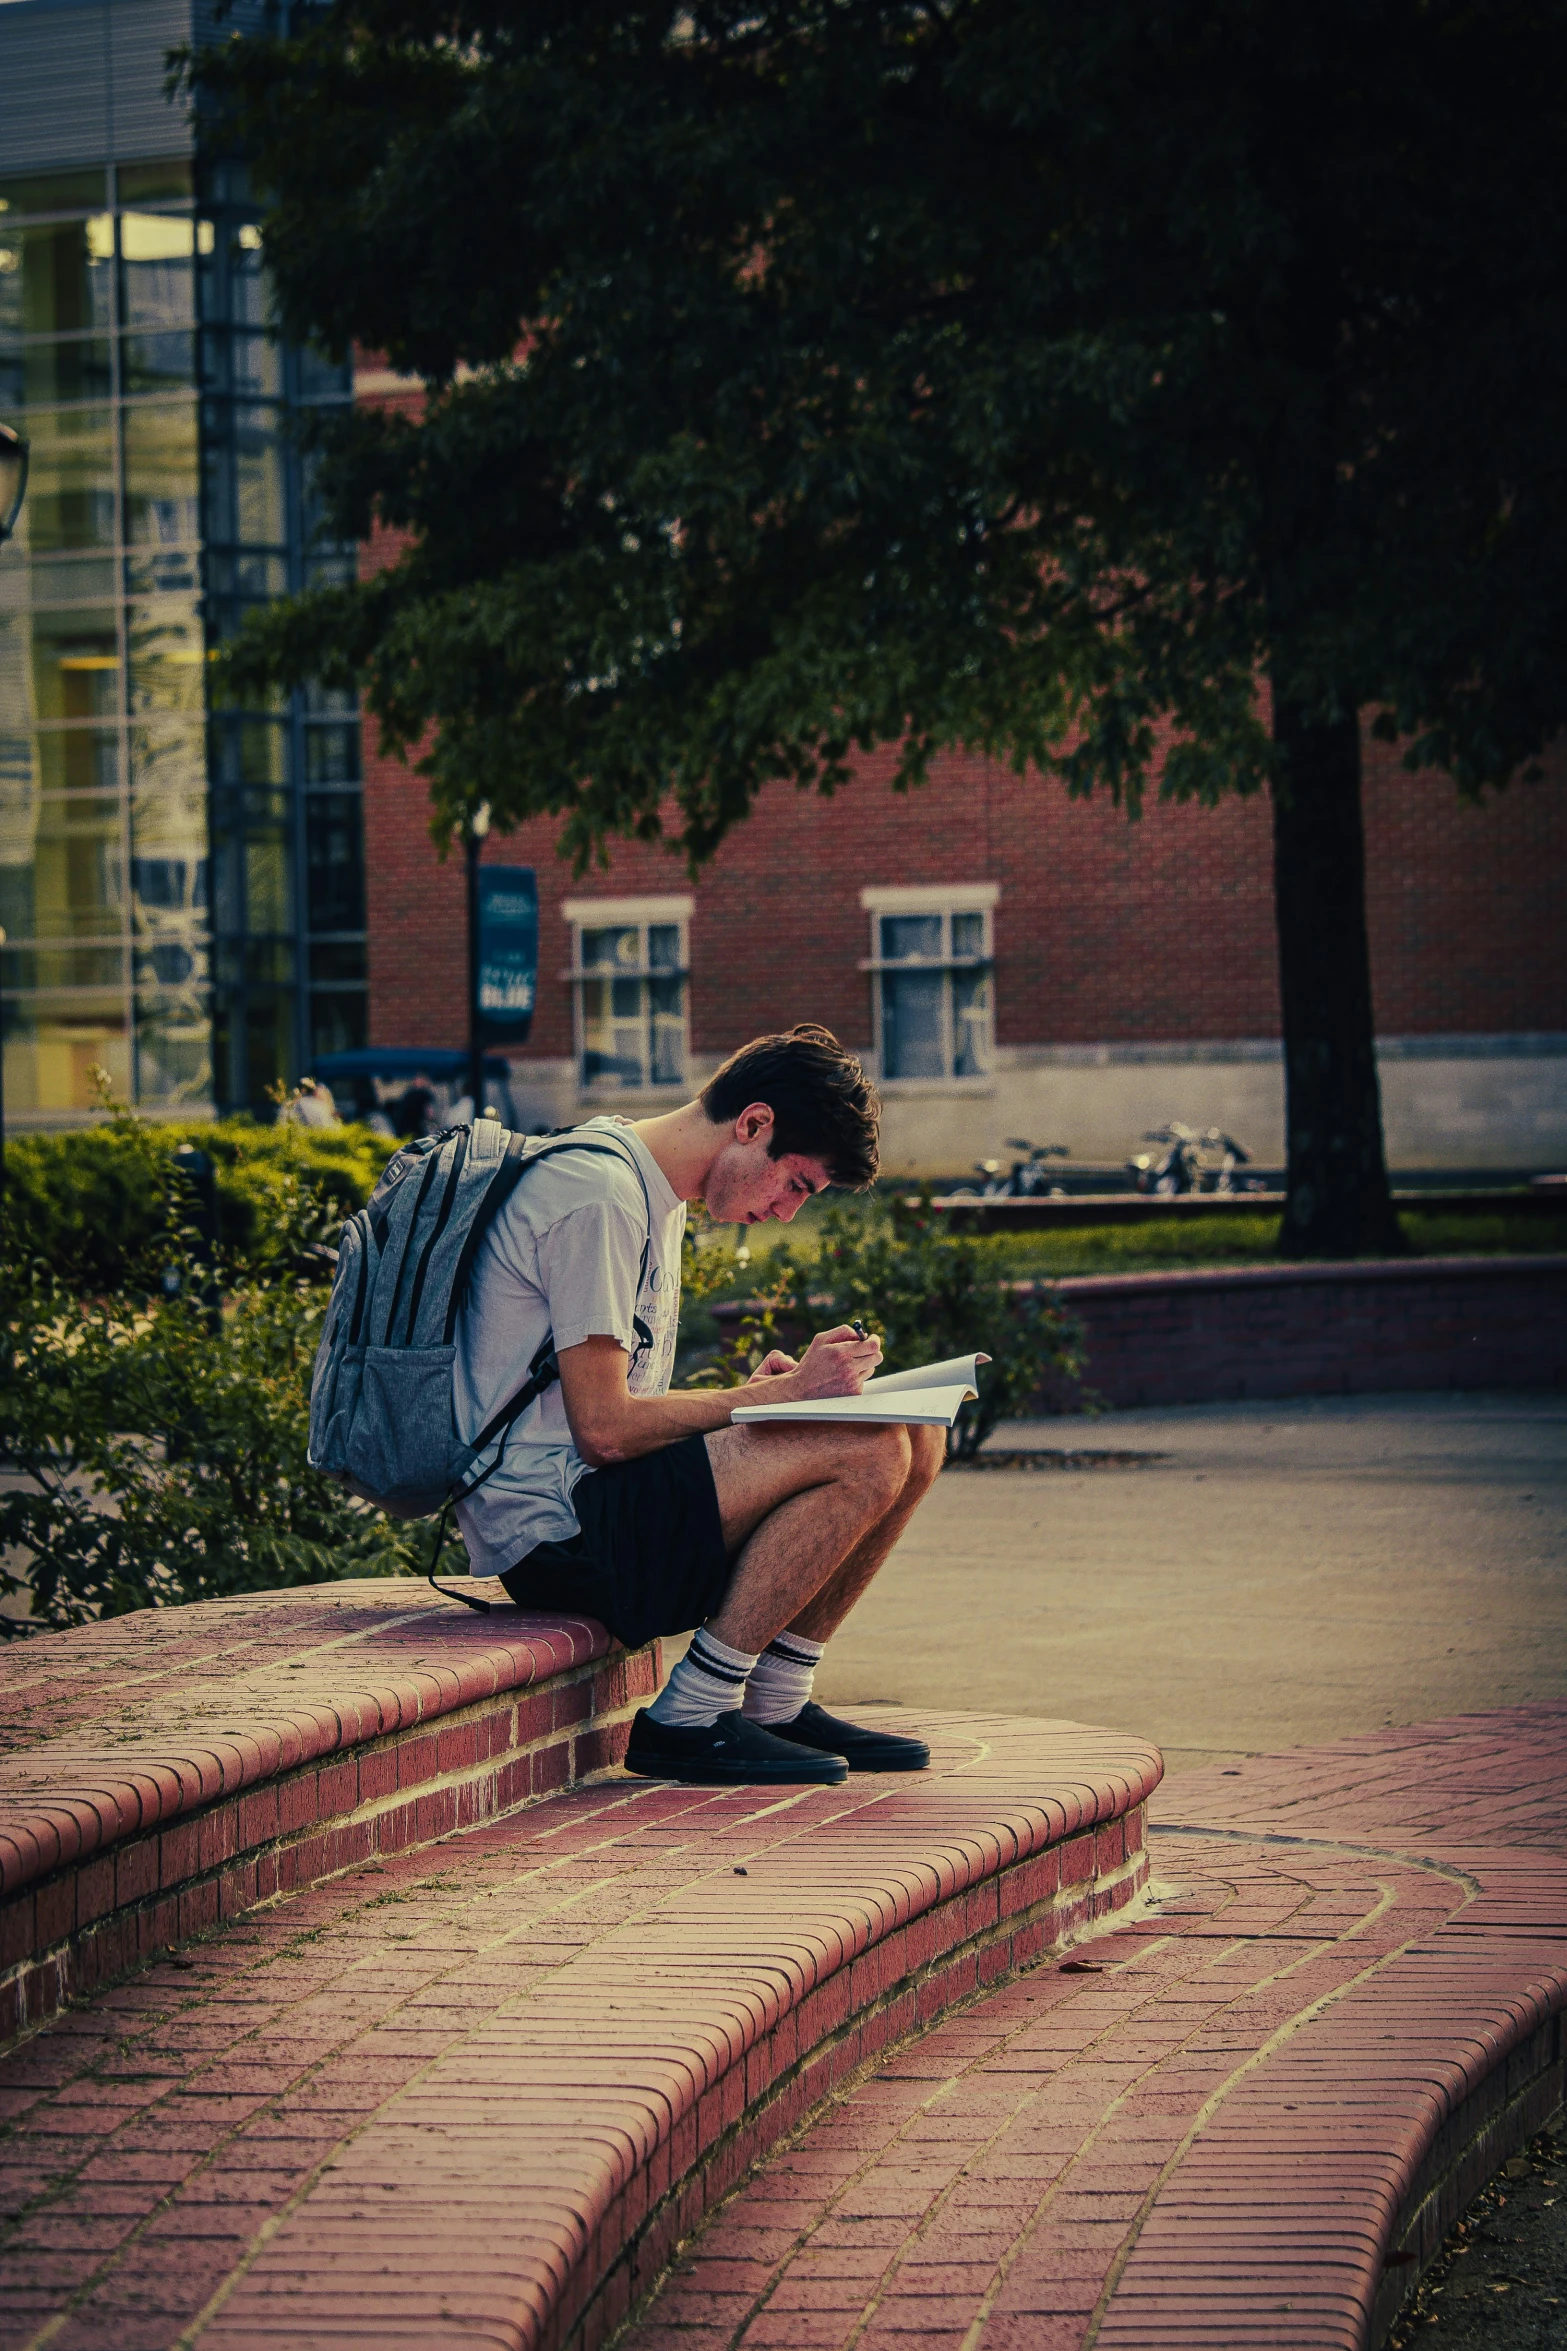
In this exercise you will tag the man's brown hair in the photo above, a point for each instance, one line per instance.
(823, 1104)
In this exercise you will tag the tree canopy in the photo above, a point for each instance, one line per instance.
(1011, 374)
(1008, 373)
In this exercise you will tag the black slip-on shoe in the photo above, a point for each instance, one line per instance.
(862, 1750)
(728, 1753)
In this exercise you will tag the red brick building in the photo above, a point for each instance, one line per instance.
(1014, 962)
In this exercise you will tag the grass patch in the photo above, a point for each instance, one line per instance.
(1182, 1242)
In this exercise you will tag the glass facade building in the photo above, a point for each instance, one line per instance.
(181, 883)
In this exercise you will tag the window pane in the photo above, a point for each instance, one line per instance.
(663, 946)
(603, 949)
(96, 971)
(611, 1050)
(44, 375)
(56, 191)
(336, 866)
(78, 759)
(339, 1024)
(161, 474)
(76, 663)
(269, 1047)
(911, 1024)
(70, 487)
(174, 1048)
(332, 755)
(155, 183)
(168, 767)
(914, 937)
(968, 934)
(167, 656)
(51, 1045)
(157, 253)
(321, 378)
(249, 367)
(77, 870)
(170, 956)
(244, 477)
(666, 1005)
(158, 363)
(57, 280)
(339, 962)
(61, 579)
(269, 897)
(233, 284)
(250, 751)
(970, 1024)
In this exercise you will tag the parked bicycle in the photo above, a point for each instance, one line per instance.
(1189, 1160)
(1027, 1179)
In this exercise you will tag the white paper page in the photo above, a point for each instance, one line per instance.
(923, 1407)
(957, 1368)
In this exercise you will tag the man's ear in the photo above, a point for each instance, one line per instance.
(754, 1122)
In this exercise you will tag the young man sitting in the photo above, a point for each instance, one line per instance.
(648, 1510)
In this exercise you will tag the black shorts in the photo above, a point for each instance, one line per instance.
(650, 1558)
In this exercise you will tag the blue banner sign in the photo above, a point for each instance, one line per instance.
(508, 951)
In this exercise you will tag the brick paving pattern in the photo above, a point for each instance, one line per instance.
(456, 2092)
(1211, 2135)
(159, 1773)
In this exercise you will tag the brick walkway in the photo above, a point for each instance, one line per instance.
(476, 2092)
(392, 2044)
(1340, 2013)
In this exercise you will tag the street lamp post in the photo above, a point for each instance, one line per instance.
(473, 841)
(13, 489)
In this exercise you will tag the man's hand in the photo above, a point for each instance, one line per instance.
(836, 1363)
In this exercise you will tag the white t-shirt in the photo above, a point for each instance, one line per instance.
(563, 1255)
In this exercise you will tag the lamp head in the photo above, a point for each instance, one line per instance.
(13, 478)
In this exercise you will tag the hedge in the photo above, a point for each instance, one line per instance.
(90, 1202)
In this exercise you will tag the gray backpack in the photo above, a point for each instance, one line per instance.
(382, 1417)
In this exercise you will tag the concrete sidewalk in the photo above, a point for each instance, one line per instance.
(1288, 1573)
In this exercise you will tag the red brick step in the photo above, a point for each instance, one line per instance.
(163, 1771)
(1341, 2013)
(478, 2091)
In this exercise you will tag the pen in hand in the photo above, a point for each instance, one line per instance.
(858, 1328)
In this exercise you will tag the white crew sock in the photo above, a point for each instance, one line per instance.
(781, 1678)
(709, 1681)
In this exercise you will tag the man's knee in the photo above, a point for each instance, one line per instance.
(882, 1466)
(927, 1452)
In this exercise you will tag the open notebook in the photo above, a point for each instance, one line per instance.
(929, 1396)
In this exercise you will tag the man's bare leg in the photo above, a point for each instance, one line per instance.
(821, 1616)
(798, 1505)
(809, 1514)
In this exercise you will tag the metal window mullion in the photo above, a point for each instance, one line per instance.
(949, 1056)
(122, 638)
(579, 1019)
(293, 525)
(878, 1007)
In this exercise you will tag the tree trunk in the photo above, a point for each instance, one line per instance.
(1337, 1199)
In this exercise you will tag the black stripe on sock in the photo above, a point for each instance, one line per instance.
(784, 1647)
(700, 1654)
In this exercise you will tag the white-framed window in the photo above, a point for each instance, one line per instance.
(628, 976)
(930, 964)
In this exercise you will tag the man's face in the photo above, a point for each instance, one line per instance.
(746, 1185)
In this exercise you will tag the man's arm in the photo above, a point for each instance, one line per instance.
(609, 1424)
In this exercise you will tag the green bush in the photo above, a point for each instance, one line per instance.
(93, 1203)
(158, 1441)
(928, 1293)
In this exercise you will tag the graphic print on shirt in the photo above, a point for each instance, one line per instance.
(659, 1307)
